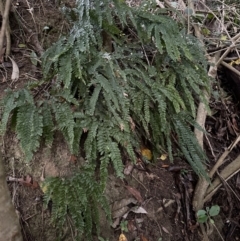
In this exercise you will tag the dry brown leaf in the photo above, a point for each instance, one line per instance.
(25, 181)
(165, 166)
(122, 237)
(131, 226)
(122, 203)
(135, 193)
(152, 176)
(143, 238)
(120, 212)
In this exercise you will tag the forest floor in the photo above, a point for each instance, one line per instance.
(153, 201)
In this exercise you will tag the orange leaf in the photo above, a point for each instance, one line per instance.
(165, 166)
(135, 193)
(143, 238)
(122, 237)
(28, 182)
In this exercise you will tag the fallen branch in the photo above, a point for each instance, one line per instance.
(229, 171)
(5, 27)
(230, 67)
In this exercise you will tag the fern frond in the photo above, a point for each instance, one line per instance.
(65, 121)
(48, 126)
(189, 145)
(29, 129)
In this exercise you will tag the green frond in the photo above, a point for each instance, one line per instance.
(94, 99)
(79, 197)
(11, 101)
(115, 155)
(29, 129)
(65, 121)
(48, 126)
(189, 145)
(105, 102)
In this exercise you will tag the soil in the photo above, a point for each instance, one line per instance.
(161, 192)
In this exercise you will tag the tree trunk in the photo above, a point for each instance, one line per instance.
(10, 229)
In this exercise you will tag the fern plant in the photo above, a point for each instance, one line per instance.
(78, 198)
(122, 74)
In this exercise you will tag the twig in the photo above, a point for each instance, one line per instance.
(4, 27)
(234, 40)
(230, 67)
(227, 186)
(229, 171)
(223, 156)
(166, 205)
(210, 146)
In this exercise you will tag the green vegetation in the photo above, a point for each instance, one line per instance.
(78, 198)
(204, 215)
(121, 75)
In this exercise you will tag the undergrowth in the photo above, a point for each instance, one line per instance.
(121, 75)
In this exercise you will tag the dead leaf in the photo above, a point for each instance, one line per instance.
(146, 153)
(165, 230)
(120, 212)
(25, 181)
(235, 124)
(122, 203)
(152, 176)
(132, 124)
(138, 210)
(135, 193)
(73, 159)
(165, 166)
(135, 210)
(29, 182)
(15, 71)
(122, 237)
(128, 169)
(163, 157)
(122, 126)
(116, 223)
(130, 225)
(143, 238)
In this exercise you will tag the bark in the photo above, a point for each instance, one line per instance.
(10, 229)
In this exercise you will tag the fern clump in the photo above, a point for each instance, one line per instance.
(121, 75)
(78, 198)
